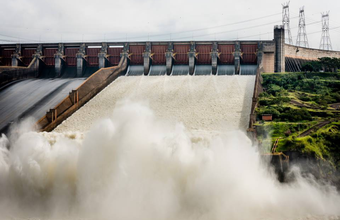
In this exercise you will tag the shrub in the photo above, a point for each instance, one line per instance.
(295, 115)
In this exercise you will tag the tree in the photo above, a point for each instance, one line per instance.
(312, 66)
(307, 67)
(330, 64)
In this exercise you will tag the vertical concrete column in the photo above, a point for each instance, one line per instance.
(192, 56)
(279, 38)
(169, 56)
(37, 56)
(103, 56)
(126, 53)
(16, 56)
(237, 57)
(147, 58)
(80, 59)
(59, 60)
(214, 58)
(15, 60)
(259, 54)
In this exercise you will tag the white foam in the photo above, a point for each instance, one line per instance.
(208, 103)
(132, 165)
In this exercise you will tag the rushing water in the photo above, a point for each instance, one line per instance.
(208, 103)
(137, 163)
(33, 97)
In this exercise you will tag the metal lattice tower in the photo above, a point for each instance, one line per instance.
(302, 39)
(285, 23)
(325, 43)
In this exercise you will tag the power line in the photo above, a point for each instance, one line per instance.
(17, 37)
(223, 32)
(271, 32)
(317, 32)
(201, 29)
(167, 34)
(194, 30)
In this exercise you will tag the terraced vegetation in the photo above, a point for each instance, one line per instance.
(305, 111)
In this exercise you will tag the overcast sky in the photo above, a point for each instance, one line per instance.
(150, 20)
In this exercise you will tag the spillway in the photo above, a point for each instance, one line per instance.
(248, 70)
(180, 70)
(157, 70)
(202, 70)
(137, 70)
(225, 70)
(33, 98)
(209, 103)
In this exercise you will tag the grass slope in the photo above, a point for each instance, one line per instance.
(297, 102)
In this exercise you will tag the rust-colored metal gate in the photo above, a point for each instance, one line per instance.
(114, 55)
(158, 54)
(226, 56)
(204, 51)
(71, 59)
(6, 54)
(27, 54)
(49, 56)
(137, 54)
(249, 53)
(181, 51)
(92, 56)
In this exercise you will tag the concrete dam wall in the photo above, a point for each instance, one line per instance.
(295, 56)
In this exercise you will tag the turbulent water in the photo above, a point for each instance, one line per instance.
(135, 163)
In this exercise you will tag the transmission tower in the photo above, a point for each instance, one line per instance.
(325, 43)
(285, 23)
(302, 39)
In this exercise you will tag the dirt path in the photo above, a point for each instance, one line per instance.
(296, 103)
(314, 128)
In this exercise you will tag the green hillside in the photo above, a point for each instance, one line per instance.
(306, 110)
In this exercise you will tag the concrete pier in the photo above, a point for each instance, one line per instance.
(237, 58)
(192, 58)
(59, 60)
(169, 56)
(214, 58)
(147, 58)
(102, 56)
(16, 56)
(81, 60)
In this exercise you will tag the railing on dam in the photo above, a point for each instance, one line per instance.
(81, 95)
(257, 90)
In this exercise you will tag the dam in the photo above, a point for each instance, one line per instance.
(98, 65)
(145, 130)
